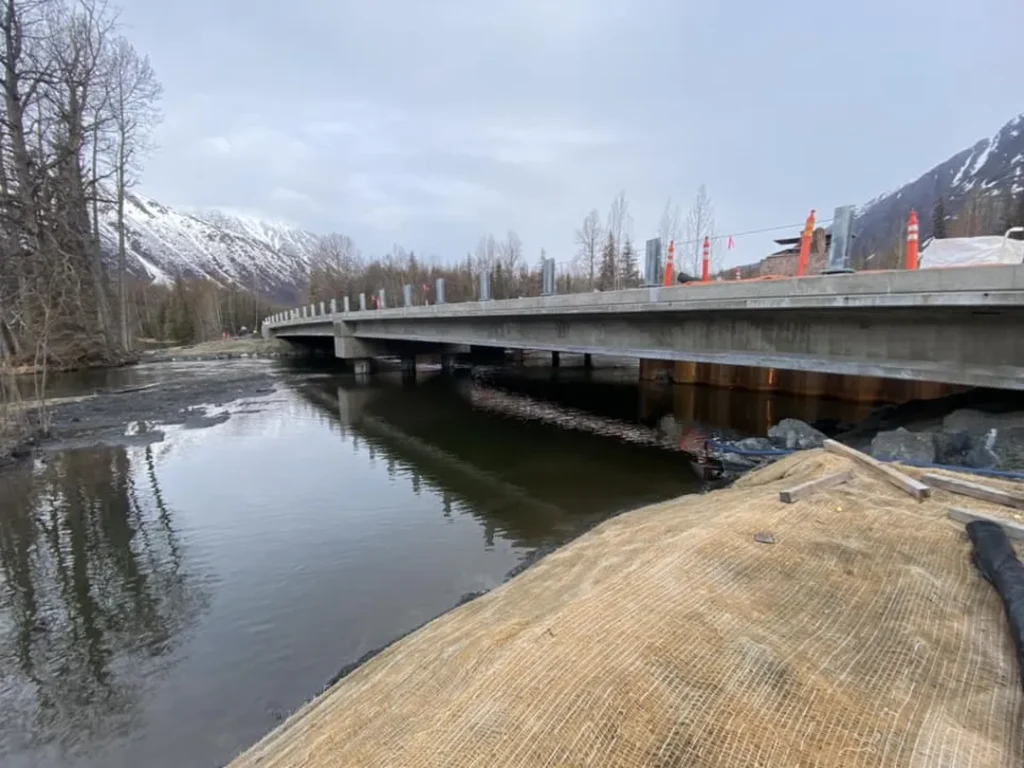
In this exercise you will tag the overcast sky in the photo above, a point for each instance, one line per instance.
(432, 122)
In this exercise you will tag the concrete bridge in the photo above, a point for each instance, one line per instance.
(958, 326)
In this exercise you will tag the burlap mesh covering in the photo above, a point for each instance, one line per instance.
(667, 636)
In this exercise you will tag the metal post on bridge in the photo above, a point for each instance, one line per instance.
(362, 302)
(842, 241)
(652, 263)
(345, 305)
(381, 303)
(407, 295)
(312, 310)
(485, 286)
(439, 291)
(547, 276)
(323, 308)
(334, 306)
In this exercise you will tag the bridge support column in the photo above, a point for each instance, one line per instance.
(588, 361)
(363, 366)
(556, 359)
(517, 357)
(408, 365)
(448, 363)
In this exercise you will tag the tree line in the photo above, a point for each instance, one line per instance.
(606, 258)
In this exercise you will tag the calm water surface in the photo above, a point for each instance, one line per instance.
(167, 605)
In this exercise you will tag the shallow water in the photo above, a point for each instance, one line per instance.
(166, 605)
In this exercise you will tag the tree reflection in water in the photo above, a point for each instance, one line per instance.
(94, 596)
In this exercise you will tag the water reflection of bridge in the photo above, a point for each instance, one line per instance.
(532, 481)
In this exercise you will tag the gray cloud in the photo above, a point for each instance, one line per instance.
(430, 124)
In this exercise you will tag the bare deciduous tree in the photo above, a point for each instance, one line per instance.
(670, 227)
(133, 92)
(700, 223)
(588, 242)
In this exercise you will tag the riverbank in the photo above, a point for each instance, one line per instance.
(224, 349)
(670, 634)
(191, 395)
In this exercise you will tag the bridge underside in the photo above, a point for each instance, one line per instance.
(956, 345)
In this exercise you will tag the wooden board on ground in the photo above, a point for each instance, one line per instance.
(1013, 529)
(916, 489)
(975, 490)
(803, 490)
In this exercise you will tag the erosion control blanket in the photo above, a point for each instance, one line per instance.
(863, 636)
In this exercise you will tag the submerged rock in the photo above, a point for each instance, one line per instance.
(903, 445)
(794, 434)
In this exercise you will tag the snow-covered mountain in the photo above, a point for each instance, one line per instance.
(270, 258)
(992, 168)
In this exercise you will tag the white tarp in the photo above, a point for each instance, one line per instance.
(964, 251)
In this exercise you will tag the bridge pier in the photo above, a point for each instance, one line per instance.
(408, 366)
(588, 361)
(448, 363)
(363, 366)
(556, 359)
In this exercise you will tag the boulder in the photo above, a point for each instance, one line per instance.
(952, 447)
(794, 434)
(903, 445)
(754, 444)
(981, 455)
(1008, 447)
(975, 423)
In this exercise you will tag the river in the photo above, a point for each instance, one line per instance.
(166, 604)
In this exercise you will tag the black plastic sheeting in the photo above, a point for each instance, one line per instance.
(994, 557)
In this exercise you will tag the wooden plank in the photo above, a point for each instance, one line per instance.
(918, 490)
(803, 490)
(1012, 528)
(975, 490)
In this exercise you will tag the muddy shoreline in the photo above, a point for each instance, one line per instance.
(134, 415)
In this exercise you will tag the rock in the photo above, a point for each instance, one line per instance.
(952, 447)
(754, 444)
(1008, 447)
(764, 538)
(903, 445)
(974, 423)
(981, 455)
(794, 434)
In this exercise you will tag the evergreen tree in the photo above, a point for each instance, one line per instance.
(939, 219)
(628, 267)
(606, 277)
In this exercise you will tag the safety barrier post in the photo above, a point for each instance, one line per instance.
(913, 233)
(670, 264)
(805, 246)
